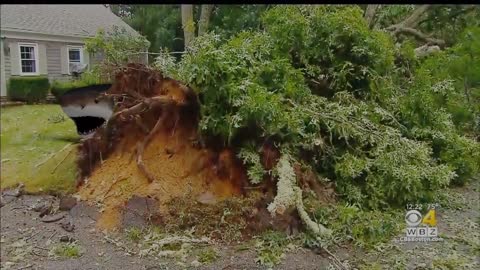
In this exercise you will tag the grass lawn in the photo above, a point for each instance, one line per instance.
(38, 148)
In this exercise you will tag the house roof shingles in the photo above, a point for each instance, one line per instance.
(65, 20)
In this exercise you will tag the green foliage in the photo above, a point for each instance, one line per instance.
(243, 86)
(327, 88)
(69, 250)
(391, 14)
(251, 158)
(442, 109)
(350, 223)
(135, 234)
(90, 77)
(445, 22)
(28, 89)
(271, 247)
(117, 46)
(448, 22)
(333, 44)
(160, 24)
(58, 88)
(208, 255)
(228, 20)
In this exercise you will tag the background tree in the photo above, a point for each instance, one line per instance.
(188, 24)
(160, 24)
(427, 25)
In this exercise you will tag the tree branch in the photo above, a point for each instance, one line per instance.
(408, 25)
(414, 18)
(419, 35)
(426, 50)
(411, 21)
(464, 9)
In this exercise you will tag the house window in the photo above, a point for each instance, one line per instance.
(75, 56)
(28, 58)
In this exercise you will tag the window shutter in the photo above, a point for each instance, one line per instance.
(14, 58)
(64, 59)
(42, 59)
(86, 58)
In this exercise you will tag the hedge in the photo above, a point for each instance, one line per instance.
(59, 88)
(28, 89)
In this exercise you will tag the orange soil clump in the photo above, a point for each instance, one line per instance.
(178, 167)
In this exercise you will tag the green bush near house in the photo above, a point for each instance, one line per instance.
(28, 89)
(90, 77)
(59, 88)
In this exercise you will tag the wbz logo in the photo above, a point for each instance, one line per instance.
(415, 221)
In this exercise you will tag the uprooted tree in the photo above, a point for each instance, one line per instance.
(314, 99)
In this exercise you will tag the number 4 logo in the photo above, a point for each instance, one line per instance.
(430, 218)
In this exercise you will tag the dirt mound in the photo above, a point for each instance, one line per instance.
(174, 163)
(154, 151)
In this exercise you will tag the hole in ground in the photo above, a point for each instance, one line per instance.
(87, 124)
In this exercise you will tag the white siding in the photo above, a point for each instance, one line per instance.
(3, 82)
(54, 62)
(52, 52)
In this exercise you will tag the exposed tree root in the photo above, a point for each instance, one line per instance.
(141, 148)
(317, 228)
(168, 107)
(288, 195)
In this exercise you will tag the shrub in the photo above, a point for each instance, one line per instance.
(59, 88)
(90, 77)
(332, 44)
(29, 89)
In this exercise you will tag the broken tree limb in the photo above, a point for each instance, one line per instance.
(412, 20)
(316, 228)
(408, 25)
(136, 109)
(64, 158)
(141, 148)
(52, 155)
(419, 35)
(463, 10)
(112, 185)
(426, 50)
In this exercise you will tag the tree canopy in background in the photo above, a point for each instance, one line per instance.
(162, 24)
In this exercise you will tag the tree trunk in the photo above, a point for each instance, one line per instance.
(187, 24)
(204, 19)
(370, 14)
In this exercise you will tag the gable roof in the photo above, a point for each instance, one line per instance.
(65, 20)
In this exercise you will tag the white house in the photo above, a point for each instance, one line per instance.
(49, 39)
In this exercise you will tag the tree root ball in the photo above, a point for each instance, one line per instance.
(149, 148)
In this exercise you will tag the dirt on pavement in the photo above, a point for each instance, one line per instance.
(27, 241)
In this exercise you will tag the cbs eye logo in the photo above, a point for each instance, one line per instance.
(414, 218)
